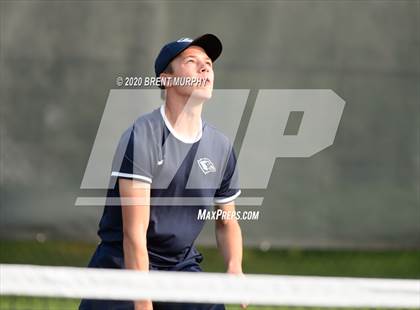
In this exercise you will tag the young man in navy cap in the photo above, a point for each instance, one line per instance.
(169, 166)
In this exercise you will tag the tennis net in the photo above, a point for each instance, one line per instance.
(69, 283)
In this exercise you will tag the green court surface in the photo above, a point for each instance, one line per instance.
(382, 264)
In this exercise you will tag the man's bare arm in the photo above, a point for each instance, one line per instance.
(135, 208)
(229, 240)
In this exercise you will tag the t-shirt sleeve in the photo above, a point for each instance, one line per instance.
(134, 156)
(229, 188)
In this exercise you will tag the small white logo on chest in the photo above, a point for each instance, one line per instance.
(206, 165)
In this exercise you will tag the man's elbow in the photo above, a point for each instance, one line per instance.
(134, 239)
(224, 223)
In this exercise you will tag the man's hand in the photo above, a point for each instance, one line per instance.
(143, 305)
(238, 272)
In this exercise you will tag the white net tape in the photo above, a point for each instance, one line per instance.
(71, 282)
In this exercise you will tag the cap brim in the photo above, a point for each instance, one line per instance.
(211, 45)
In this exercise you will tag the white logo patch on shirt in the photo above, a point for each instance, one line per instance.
(206, 165)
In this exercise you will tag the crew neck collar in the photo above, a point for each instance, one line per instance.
(177, 135)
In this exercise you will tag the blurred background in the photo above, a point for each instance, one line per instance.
(352, 209)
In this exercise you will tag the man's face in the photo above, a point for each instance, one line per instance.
(194, 63)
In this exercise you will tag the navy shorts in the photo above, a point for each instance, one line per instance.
(110, 255)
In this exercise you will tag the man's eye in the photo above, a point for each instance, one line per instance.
(190, 60)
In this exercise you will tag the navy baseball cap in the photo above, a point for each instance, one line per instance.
(209, 42)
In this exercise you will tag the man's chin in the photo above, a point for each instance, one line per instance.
(203, 93)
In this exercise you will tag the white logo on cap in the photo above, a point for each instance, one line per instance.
(185, 40)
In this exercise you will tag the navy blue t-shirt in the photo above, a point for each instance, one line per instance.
(185, 177)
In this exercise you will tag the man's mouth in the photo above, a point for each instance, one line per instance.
(201, 81)
(206, 81)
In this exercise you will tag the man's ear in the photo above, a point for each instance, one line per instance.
(166, 79)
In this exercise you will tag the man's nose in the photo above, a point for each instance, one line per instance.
(204, 68)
